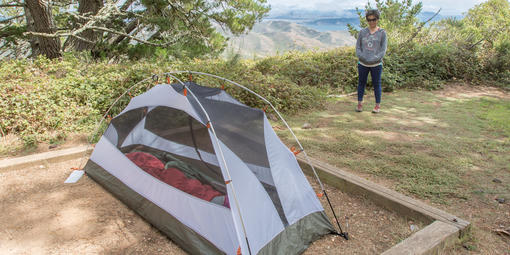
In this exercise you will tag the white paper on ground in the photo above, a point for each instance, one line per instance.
(75, 176)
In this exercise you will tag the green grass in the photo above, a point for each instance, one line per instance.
(431, 146)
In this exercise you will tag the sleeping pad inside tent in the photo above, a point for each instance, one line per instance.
(209, 172)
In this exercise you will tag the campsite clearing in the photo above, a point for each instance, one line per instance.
(45, 216)
(457, 137)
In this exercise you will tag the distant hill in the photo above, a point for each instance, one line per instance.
(336, 20)
(275, 37)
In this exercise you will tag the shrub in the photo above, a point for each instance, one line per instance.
(333, 70)
(43, 100)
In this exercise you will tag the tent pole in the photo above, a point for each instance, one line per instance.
(341, 233)
(222, 157)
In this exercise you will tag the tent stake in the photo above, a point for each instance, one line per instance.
(248, 243)
(341, 233)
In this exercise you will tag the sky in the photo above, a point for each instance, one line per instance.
(449, 7)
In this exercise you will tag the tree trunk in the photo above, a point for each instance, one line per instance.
(34, 42)
(44, 23)
(89, 7)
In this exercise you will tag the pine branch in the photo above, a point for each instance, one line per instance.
(11, 5)
(8, 31)
(420, 27)
(61, 5)
(136, 38)
(126, 5)
(78, 16)
(486, 38)
(82, 39)
(73, 34)
(131, 26)
(11, 18)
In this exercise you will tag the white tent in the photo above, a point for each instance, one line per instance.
(209, 172)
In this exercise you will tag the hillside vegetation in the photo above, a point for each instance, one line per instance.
(45, 100)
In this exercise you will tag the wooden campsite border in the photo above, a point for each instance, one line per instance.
(443, 229)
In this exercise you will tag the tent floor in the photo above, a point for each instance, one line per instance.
(41, 214)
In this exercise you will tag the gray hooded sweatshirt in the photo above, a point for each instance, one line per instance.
(370, 48)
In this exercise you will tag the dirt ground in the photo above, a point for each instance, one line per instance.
(42, 215)
(462, 90)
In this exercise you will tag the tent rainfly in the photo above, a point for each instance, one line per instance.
(209, 172)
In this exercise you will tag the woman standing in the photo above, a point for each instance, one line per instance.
(370, 50)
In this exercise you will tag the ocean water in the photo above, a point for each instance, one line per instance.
(325, 28)
(321, 25)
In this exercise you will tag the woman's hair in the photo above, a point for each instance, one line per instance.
(372, 12)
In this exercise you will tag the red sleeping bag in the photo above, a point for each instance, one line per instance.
(172, 176)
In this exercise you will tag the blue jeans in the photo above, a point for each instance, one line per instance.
(376, 72)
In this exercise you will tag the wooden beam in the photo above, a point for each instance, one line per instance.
(432, 239)
(389, 199)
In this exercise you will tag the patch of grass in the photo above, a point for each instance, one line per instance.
(431, 146)
(497, 114)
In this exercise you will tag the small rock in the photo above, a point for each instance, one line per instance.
(496, 180)
(306, 126)
(500, 200)
(41, 166)
(272, 117)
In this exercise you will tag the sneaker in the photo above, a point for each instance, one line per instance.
(376, 109)
(359, 108)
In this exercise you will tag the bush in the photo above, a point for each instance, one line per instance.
(333, 70)
(500, 60)
(43, 100)
(428, 66)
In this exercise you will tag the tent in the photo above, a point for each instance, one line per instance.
(209, 172)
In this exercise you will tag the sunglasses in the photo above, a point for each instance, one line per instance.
(370, 20)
